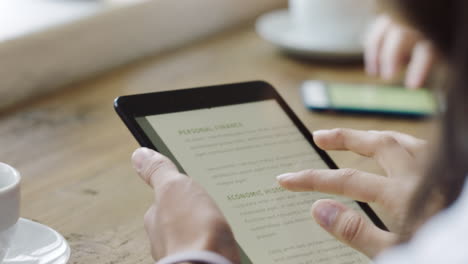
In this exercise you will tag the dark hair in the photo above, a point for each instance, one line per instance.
(445, 23)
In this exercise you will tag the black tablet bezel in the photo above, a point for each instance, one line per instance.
(129, 108)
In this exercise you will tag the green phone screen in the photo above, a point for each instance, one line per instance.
(381, 98)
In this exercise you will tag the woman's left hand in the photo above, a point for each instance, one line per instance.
(183, 216)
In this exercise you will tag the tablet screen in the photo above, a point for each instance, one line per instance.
(235, 152)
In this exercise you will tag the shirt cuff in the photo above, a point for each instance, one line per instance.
(206, 257)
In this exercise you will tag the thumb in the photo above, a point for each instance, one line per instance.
(351, 227)
(154, 168)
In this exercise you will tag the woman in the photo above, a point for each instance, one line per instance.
(185, 219)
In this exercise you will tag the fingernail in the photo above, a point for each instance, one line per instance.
(285, 176)
(320, 132)
(412, 83)
(139, 157)
(387, 73)
(326, 214)
(371, 71)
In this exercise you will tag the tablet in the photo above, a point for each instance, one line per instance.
(234, 140)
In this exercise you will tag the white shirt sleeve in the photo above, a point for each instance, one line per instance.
(444, 239)
(198, 256)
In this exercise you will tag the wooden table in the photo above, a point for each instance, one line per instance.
(74, 152)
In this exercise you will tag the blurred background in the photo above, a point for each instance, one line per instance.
(62, 63)
(71, 40)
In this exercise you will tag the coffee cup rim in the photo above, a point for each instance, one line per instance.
(16, 175)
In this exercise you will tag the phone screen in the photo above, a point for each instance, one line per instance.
(381, 98)
(235, 152)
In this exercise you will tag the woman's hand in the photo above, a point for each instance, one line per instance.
(183, 217)
(390, 46)
(401, 156)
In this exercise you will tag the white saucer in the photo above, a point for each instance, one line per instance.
(276, 28)
(37, 244)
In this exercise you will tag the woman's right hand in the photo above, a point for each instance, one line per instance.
(390, 46)
(401, 156)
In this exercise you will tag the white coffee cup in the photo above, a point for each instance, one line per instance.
(332, 20)
(9, 206)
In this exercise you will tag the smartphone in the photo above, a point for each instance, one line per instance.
(368, 99)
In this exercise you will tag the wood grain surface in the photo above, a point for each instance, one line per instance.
(74, 152)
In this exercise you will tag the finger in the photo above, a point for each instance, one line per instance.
(357, 185)
(149, 218)
(373, 44)
(149, 223)
(386, 150)
(365, 143)
(412, 144)
(352, 228)
(395, 52)
(421, 62)
(154, 168)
